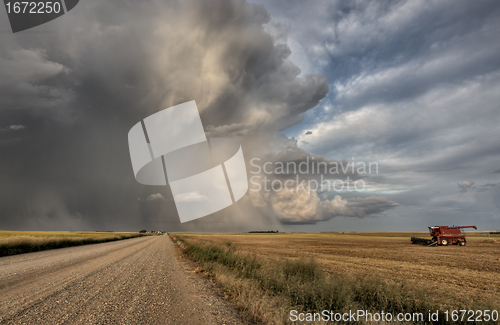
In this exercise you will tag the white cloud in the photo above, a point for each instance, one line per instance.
(153, 197)
(17, 127)
(465, 186)
(13, 128)
(190, 197)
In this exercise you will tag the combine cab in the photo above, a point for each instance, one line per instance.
(443, 235)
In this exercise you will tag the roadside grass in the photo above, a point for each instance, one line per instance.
(269, 288)
(19, 242)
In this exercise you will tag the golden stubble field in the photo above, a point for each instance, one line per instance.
(5, 234)
(447, 272)
(18, 242)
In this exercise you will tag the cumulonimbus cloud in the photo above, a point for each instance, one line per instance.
(306, 207)
(80, 96)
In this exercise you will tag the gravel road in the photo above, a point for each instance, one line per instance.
(133, 281)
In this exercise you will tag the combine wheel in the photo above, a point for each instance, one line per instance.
(461, 242)
(444, 242)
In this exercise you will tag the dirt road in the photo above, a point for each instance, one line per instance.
(134, 281)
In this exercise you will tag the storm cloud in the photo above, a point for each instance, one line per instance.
(79, 88)
(411, 85)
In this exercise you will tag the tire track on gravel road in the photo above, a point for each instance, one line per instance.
(134, 281)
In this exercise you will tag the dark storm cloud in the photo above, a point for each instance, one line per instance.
(108, 65)
(228, 131)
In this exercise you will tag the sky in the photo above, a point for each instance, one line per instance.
(410, 87)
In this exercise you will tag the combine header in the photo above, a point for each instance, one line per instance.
(443, 235)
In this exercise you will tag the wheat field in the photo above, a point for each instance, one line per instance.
(18, 242)
(443, 277)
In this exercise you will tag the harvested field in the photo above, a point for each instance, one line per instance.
(13, 233)
(18, 242)
(451, 276)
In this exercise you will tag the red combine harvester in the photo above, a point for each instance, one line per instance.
(443, 235)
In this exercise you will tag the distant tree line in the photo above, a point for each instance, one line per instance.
(143, 231)
(264, 231)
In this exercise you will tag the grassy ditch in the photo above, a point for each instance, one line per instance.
(268, 289)
(12, 243)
